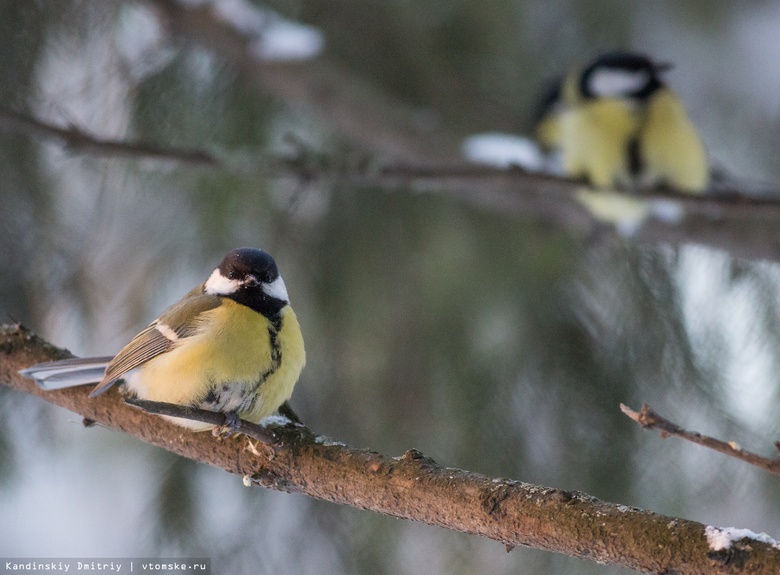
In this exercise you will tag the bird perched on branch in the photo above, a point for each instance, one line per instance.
(615, 122)
(232, 345)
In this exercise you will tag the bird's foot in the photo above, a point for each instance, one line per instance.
(229, 428)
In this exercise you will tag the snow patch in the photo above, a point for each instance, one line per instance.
(275, 420)
(667, 211)
(273, 37)
(503, 151)
(286, 40)
(721, 538)
(328, 442)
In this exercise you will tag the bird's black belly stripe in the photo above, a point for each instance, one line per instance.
(276, 353)
(635, 163)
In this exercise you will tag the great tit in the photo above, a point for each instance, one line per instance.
(615, 122)
(232, 345)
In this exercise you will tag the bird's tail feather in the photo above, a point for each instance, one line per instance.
(68, 372)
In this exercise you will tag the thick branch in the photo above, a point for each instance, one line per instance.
(649, 419)
(415, 487)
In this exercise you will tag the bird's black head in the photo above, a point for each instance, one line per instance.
(249, 276)
(622, 75)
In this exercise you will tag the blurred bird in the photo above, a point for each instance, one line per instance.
(232, 345)
(615, 123)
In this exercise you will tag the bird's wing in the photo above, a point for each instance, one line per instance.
(178, 322)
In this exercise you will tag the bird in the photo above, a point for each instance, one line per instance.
(231, 345)
(614, 122)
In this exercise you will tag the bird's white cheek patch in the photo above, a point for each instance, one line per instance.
(616, 83)
(276, 289)
(217, 284)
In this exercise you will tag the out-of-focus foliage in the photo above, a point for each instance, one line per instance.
(493, 343)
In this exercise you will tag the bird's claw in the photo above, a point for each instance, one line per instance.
(229, 428)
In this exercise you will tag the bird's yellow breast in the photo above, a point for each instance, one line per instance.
(595, 138)
(671, 151)
(237, 359)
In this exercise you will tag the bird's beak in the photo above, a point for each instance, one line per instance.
(250, 281)
(663, 67)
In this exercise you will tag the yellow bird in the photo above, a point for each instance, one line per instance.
(232, 345)
(615, 123)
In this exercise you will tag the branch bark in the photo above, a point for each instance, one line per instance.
(415, 487)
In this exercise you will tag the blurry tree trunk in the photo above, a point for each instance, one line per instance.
(415, 487)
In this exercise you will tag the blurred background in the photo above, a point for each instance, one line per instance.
(490, 341)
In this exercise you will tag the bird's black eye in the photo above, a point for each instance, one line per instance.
(231, 275)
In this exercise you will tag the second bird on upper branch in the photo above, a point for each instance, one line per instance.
(615, 122)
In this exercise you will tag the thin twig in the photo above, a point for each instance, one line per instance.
(195, 414)
(744, 225)
(77, 140)
(649, 419)
(307, 163)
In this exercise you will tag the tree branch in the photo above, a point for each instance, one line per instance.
(76, 140)
(415, 487)
(744, 226)
(649, 419)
